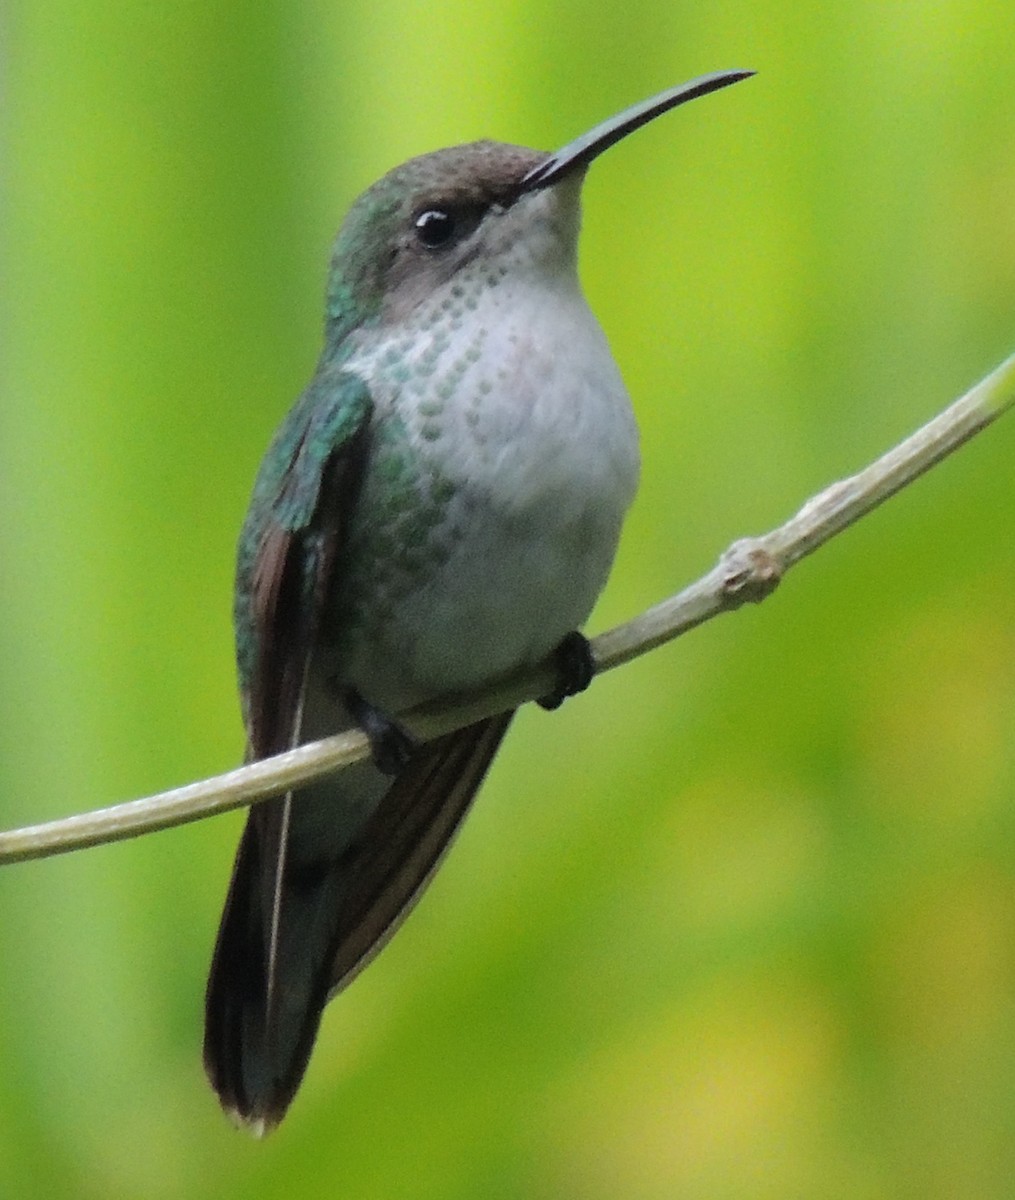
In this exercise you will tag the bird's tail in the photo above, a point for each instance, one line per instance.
(309, 906)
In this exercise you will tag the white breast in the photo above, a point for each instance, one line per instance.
(522, 413)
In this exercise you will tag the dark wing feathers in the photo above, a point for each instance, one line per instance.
(302, 499)
(405, 840)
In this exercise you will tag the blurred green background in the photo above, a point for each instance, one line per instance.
(741, 922)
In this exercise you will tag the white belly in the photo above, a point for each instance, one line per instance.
(524, 461)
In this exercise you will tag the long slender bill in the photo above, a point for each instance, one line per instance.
(584, 149)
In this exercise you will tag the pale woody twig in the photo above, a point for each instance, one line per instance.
(748, 571)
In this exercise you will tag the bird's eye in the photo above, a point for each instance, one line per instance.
(435, 227)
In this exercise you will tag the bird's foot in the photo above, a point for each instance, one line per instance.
(575, 666)
(391, 744)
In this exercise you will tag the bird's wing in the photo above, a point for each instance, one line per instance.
(294, 933)
(405, 840)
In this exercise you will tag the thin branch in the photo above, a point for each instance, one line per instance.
(747, 572)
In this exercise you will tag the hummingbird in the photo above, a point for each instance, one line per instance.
(441, 507)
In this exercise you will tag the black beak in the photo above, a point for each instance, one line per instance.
(584, 149)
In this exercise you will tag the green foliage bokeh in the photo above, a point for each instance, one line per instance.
(741, 922)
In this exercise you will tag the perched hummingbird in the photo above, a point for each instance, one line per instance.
(441, 506)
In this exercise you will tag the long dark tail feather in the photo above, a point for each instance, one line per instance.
(259, 1031)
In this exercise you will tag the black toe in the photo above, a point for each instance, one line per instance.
(391, 744)
(576, 667)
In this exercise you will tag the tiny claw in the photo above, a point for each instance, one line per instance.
(576, 668)
(391, 744)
